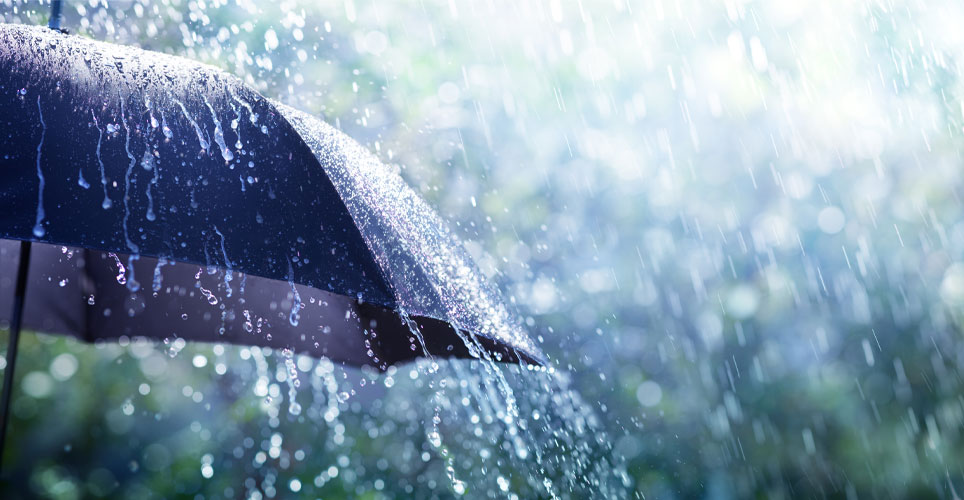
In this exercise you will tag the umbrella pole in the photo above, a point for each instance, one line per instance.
(54, 22)
(13, 341)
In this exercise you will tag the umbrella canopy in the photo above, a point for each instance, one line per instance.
(173, 201)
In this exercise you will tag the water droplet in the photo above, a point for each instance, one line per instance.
(121, 270)
(167, 130)
(212, 299)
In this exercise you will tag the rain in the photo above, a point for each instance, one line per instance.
(533, 249)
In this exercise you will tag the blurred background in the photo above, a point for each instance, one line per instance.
(735, 228)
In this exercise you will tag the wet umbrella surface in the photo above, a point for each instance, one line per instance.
(147, 161)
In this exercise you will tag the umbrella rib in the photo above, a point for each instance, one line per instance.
(382, 273)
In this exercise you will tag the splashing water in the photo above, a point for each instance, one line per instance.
(211, 298)
(121, 270)
(157, 283)
(291, 372)
(248, 325)
(406, 236)
(294, 316)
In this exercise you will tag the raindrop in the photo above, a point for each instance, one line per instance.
(176, 346)
(294, 316)
(158, 278)
(165, 129)
(211, 298)
(121, 270)
(248, 326)
(81, 181)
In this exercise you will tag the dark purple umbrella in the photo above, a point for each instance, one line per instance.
(165, 199)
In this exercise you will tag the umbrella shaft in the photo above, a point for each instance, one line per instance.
(12, 342)
(55, 7)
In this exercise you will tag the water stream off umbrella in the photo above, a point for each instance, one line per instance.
(511, 402)
(479, 425)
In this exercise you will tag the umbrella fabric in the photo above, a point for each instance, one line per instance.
(82, 293)
(124, 161)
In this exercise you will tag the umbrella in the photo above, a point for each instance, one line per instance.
(154, 196)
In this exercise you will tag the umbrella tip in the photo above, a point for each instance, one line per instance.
(55, 16)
